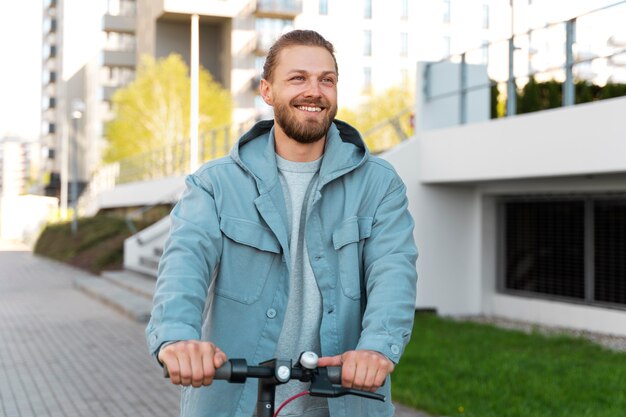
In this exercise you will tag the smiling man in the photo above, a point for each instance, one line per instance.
(299, 240)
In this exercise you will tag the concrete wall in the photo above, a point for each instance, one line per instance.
(579, 140)
(143, 193)
(455, 177)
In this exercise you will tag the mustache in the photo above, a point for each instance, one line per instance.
(311, 103)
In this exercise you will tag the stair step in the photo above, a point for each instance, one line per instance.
(124, 300)
(149, 262)
(134, 281)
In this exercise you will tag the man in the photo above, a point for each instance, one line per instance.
(299, 240)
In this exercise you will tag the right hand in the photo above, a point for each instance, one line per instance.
(192, 362)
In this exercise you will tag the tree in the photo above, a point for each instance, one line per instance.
(153, 111)
(383, 119)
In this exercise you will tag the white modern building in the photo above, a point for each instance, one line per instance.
(522, 217)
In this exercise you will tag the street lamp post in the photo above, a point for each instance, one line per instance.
(78, 108)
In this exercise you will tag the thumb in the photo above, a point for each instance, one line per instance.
(330, 361)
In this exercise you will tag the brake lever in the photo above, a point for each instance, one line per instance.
(322, 387)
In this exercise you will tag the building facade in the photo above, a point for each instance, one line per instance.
(91, 49)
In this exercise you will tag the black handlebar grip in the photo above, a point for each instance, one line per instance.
(224, 371)
(334, 374)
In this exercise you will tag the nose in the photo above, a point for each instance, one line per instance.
(313, 89)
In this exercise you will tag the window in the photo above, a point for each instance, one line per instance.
(485, 16)
(323, 7)
(404, 44)
(269, 30)
(565, 248)
(367, 9)
(367, 43)
(367, 80)
(484, 50)
(404, 77)
(446, 11)
(447, 46)
(404, 9)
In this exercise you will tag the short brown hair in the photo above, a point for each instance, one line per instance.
(295, 38)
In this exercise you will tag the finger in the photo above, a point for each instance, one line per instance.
(330, 361)
(184, 366)
(348, 373)
(360, 374)
(379, 379)
(369, 381)
(208, 365)
(170, 361)
(196, 364)
(219, 358)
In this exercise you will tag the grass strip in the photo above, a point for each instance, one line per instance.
(454, 368)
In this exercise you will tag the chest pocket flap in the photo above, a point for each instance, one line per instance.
(352, 230)
(249, 233)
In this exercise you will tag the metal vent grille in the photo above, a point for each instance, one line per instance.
(570, 247)
(610, 251)
(545, 246)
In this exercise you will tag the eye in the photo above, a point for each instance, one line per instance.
(297, 78)
(328, 80)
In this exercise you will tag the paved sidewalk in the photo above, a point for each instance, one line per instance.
(65, 354)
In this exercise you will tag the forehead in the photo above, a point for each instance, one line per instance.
(308, 58)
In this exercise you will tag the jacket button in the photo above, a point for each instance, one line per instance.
(271, 313)
(395, 349)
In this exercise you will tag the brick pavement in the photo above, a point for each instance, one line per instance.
(64, 354)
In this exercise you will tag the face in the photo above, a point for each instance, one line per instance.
(303, 92)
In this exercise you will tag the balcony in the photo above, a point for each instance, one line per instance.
(124, 59)
(49, 4)
(49, 77)
(50, 26)
(107, 92)
(118, 23)
(278, 8)
(50, 52)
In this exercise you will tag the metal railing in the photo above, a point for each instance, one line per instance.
(388, 133)
(174, 159)
(588, 47)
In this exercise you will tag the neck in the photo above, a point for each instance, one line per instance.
(292, 150)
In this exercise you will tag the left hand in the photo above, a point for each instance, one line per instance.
(361, 369)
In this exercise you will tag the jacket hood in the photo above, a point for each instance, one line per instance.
(344, 151)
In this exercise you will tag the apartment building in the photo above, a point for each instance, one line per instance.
(19, 165)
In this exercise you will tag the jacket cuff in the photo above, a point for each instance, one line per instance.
(164, 334)
(384, 344)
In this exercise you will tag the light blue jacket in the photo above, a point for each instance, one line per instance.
(227, 258)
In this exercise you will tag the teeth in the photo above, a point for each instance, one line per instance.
(313, 109)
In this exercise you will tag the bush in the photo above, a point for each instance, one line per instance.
(97, 245)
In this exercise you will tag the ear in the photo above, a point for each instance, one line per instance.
(266, 91)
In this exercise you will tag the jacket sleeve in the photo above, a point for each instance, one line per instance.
(390, 277)
(190, 257)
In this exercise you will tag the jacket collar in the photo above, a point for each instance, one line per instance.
(344, 151)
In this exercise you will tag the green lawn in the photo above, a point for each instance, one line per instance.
(468, 369)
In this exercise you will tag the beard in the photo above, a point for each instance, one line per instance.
(309, 131)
